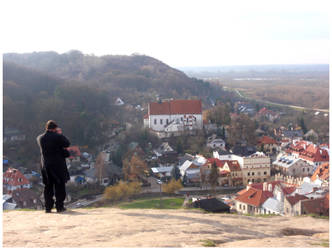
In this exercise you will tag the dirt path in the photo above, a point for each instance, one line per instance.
(112, 227)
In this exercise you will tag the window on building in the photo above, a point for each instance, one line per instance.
(244, 207)
(161, 121)
(19, 179)
(248, 173)
(166, 121)
(308, 169)
(303, 169)
(253, 173)
(265, 173)
(259, 173)
(240, 206)
(181, 119)
(155, 121)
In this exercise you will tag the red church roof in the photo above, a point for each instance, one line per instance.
(174, 107)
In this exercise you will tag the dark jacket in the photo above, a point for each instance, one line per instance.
(53, 161)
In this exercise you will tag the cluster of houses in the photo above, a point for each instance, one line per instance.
(19, 185)
(300, 185)
(17, 191)
(281, 197)
(233, 170)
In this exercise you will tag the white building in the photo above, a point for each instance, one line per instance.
(288, 165)
(174, 116)
(119, 102)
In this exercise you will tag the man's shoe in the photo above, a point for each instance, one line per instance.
(48, 211)
(60, 210)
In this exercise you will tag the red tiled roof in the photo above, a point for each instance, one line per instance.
(233, 165)
(288, 190)
(309, 151)
(176, 107)
(74, 151)
(315, 154)
(254, 197)
(295, 199)
(322, 172)
(267, 140)
(14, 177)
(262, 111)
(241, 191)
(285, 189)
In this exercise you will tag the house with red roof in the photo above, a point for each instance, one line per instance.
(269, 144)
(230, 172)
(322, 173)
(263, 198)
(174, 116)
(265, 113)
(309, 152)
(75, 154)
(13, 179)
(292, 204)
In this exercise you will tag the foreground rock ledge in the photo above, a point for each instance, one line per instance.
(112, 227)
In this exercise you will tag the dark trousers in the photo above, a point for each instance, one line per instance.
(52, 187)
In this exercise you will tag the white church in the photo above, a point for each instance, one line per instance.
(172, 117)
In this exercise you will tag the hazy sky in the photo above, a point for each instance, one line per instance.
(179, 33)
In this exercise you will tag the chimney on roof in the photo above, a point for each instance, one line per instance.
(264, 186)
(248, 186)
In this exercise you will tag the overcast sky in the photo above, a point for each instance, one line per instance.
(180, 33)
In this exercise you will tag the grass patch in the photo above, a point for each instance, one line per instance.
(208, 243)
(317, 216)
(261, 215)
(21, 209)
(166, 203)
(323, 243)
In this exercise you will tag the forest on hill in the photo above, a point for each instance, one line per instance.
(79, 92)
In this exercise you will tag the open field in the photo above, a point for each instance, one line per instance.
(114, 227)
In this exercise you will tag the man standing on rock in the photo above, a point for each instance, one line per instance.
(54, 170)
